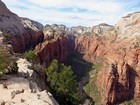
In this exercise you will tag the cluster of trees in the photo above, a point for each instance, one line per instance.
(60, 78)
(62, 83)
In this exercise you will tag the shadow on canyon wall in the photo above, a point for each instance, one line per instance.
(79, 65)
(82, 70)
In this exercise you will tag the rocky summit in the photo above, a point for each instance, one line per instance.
(103, 57)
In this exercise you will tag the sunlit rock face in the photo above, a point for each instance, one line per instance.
(18, 90)
(54, 46)
(117, 48)
(101, 28)
(31, 24)
(25, 33)
(118, 51)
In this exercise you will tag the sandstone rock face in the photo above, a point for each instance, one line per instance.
(120, 77)
(10, 22)
(98, 29)
(55, 48)
(23, 91)
(59, 40)
(51, 30)
(27, 41)
(102, 28)
(118, 51)
(79, 30)
(95, 47)
(23, 38)
(33, 25)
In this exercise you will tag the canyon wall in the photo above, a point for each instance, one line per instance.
(116, 48)
(24, 33)
(118, 51)
(27, 41)
(54, 46)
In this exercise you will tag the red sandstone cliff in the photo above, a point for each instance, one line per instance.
(55, 48)
(118, 50)
(54, 45)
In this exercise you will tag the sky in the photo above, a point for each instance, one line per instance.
(73, 12)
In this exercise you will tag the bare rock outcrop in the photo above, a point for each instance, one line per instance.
(31, 24)
(98, 29)
(22, 38)
(18, 90)
(101, 28)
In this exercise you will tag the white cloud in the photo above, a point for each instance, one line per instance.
(55, 11)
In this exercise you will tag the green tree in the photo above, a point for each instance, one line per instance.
(62, 83)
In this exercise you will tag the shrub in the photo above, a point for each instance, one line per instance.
(62, 83)
(4, 60)
(30, 56)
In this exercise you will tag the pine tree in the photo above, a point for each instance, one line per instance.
(62, 83)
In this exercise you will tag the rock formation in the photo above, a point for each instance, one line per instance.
(117, 48)
(101, 28)
(27, 41)
(118, 51)
(54, 46)
(82, 30)
(18, 90)
(23, 31)
(33, 25)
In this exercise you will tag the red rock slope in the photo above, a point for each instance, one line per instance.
(119, 51)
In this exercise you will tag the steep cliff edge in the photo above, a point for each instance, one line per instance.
(54, 46)
(118, 50)
(22, 37)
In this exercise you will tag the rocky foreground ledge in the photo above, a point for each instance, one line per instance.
(23, 89)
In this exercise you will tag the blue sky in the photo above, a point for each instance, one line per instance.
(74, 12)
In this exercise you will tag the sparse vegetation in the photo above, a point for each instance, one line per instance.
(30, 56)
(7, 65)
(62, 83)
(83, 68)
(4, 60)
(90, 88)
